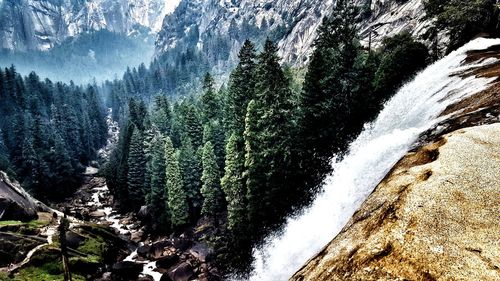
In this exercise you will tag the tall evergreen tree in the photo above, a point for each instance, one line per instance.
(241, 89)
(209, 101)
(210, 178)
(191, 170)
(176, 195)
(157, 200)
(329, 92)
(268, 138)
(136, 169)
(233, 184)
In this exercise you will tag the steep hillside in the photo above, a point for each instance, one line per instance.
(40, 25)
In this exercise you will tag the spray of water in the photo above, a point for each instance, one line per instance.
(413, 110)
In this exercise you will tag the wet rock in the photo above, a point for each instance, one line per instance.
(143, 213)
(143, 251)
(165, 277)
(183, 272)
(158, 249)
(182, 244)
(137, 236)
(127, 270)
(167, 261)
(97, 214)
(200, 251)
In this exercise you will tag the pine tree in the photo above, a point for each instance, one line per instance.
(268, 138)
(327, 100)
(211, 182)
(162, 115)
(233, 184)
(241, 89)
(193, 125)
(210, 104)
(191, 170)
(176, 195)
(160, 214)
(136, 169)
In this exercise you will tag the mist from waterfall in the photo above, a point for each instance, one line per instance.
(413, 110)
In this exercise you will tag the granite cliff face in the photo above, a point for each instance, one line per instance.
(41, 24)
(293, 24)
(435, 215)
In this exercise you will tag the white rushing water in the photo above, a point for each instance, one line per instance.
(412, 111)
(114, 220)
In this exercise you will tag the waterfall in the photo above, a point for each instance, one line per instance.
(413, 110)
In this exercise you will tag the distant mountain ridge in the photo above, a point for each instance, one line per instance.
(41, 24)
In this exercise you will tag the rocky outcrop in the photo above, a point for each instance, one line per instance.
(434, 217)
(15, 203)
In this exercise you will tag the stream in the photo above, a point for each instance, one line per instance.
(115, 220)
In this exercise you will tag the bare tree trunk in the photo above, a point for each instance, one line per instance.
(64, 251)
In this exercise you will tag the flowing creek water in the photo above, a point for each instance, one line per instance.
(115, 220)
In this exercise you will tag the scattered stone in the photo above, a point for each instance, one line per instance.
(136, 236)
(73, 240)
(127, 270)
(97, 214)
(181, 244)
(167, 261)
(200, 251)
(183, 272)
(143, 251)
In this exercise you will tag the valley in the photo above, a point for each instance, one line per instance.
(190, 140)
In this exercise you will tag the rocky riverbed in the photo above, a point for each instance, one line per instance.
(176, 258)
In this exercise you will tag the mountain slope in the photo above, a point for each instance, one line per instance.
(42, 24)
(219, 28)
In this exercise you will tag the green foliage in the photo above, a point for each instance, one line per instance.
(233, 184)
(191, 168)
(463, 19)
(210, 104)
(176, 195)
(136, 176)
(157, 199)
(241, 89)
(40, 122)
(210, 190)
(268, 138)
(331, 99)
(400, 58)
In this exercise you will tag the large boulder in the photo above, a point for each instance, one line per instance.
(434, 217)
(167, 262)
(183, 272)
(126, 270)
(15, 203)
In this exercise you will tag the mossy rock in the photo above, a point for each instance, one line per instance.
(14, 247)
